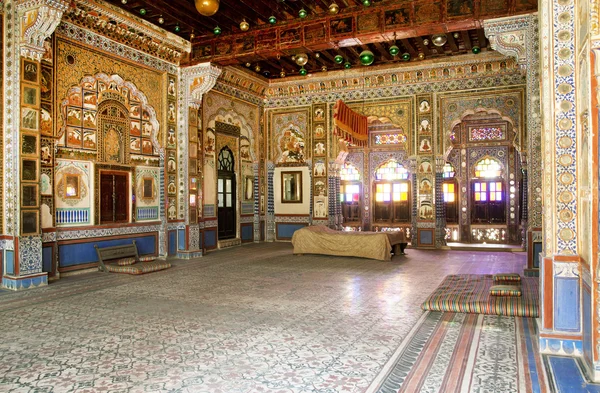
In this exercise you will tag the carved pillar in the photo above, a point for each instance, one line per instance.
(27, 25)
(270, 202)
(412, 168)
(195, 81)
(519, 37)
(440, 211)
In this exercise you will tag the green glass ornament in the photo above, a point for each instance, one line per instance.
(366, 3)
(476, 49)
(177, 29)
(394, 50)
(217, 30)
(339, 59)
(367, 57)
(347, 65)
(143, 11)
(272, 19)
(406, 56)
(302, 13)
(303, 71)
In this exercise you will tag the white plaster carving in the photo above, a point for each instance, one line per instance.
(566, 269)
(38, 19)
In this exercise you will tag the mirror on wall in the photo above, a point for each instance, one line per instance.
(291, 187)
(249, 188)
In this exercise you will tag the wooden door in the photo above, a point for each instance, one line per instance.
(226, 205)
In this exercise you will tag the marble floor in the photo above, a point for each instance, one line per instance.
(253, 318)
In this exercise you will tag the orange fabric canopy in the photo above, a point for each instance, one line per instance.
(350, 125)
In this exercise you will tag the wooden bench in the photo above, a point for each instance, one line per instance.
(125, 259)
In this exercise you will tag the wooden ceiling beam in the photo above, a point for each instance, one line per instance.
(408, 47)
(452, 43)
(481, 38)
(466, 39)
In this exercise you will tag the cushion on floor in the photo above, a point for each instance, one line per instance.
(125, 261)
(507, 277)
(470, 293)
(139, 268)
(505, 290)
(147, 258)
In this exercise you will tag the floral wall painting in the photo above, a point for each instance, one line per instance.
(29, 119)
(291, 144)
(319, 132)
(46, 120)
(319, 149)
(319, 168)
(426, 211)
(245, 149)
(209, 148)
(30, 71)
(320, 206)
(425, 145)
(425, 126)
(424, 106)
(425, 167)
(425, 186)
(45, 185)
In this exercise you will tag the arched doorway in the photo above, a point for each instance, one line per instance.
(226, 192)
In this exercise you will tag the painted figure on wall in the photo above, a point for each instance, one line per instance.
(319, 169)
(320, 207)
(292, 145)
(112, 146)
(425, 145)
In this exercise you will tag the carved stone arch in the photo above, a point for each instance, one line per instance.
(113, 133)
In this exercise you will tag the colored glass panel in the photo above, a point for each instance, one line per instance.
(486, 133)
(349, 172)
(488, 167)
(390, 139)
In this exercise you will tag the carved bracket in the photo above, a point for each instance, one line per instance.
(38, 18)
(200, 79)
(508, 36)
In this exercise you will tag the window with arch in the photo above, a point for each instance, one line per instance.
(450, 193)
(350, 193)
(487, 192)
(392, 193)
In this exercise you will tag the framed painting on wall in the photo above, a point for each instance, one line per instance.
(29, 222)
(30, 71)
(29, 195)
(30, 119)
(29, 145)
(148, 189)
(29, 170)
(30, 95)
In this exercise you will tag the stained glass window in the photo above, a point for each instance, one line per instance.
(448, 171)
(391, 170)
(350, 193)
(486, 133)
(449, 192)
(390, 139)
(349, 172)
(488, 191)
(488, 167)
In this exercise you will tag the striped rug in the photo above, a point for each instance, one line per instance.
(470, 293)
(460, 353)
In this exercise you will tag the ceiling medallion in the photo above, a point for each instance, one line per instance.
(334, 8)
(207, 7)
(439, 39)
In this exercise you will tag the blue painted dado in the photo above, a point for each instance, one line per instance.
(26, 282)
(210, 238)
(10, 261)
(247, 232)
(172, 249)
(47, 259)
(566, 304)
(181, 239)
(285, 231)
(74, 254)
(588, 326)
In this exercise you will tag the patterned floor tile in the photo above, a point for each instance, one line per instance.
(248, 319)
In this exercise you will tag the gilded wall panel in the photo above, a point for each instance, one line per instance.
(74, 61)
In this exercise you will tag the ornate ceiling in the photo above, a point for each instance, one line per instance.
(420, 29)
